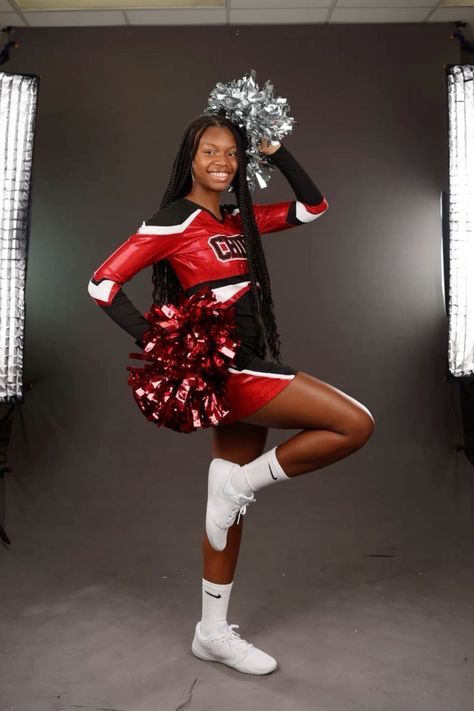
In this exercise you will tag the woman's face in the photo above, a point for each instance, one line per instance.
(215, 163)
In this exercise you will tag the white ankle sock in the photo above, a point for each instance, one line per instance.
(215, 600)
(260, 472)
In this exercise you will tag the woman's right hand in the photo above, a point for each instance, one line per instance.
(267, 148)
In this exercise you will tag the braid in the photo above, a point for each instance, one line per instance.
(167, 288)
(262, 296)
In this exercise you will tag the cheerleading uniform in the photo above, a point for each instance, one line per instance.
(206, 251)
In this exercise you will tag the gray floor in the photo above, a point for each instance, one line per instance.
(358, 579)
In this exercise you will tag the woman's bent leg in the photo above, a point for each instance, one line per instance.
(334, 424)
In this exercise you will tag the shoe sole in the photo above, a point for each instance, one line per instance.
(210, 492)
(202, 655)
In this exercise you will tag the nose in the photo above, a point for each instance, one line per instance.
(223, 166)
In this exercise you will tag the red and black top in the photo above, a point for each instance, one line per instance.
(203, 250)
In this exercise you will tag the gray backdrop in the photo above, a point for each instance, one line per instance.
(106, 511)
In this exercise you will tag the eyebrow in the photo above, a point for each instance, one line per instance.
(208, 143)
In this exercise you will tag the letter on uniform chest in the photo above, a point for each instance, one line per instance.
(227, 248)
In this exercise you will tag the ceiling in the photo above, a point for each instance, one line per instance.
(90, 13)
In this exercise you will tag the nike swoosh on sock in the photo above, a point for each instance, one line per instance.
(273, 476)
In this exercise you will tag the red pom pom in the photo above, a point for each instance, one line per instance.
(190, 347)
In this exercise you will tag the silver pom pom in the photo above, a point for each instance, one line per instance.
(259, 112)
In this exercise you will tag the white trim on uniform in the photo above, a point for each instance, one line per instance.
(285, 376)
(167, 229)
(101, 291)
(305, 215)
(223, 293)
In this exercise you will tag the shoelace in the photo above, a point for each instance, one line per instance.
(234, 639)
(240, 507)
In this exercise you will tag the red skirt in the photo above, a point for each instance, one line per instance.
(250, 388)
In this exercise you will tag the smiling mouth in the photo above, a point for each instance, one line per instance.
(219, 175)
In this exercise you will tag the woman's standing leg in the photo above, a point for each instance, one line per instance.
(237, 442)
(214, 639)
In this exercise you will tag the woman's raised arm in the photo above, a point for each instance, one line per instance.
(310, 203)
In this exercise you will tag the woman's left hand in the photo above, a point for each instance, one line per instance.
(267, 148)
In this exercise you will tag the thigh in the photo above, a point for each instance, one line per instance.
(309, 403)
(239, 442)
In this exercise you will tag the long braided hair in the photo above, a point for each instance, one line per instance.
(167, 288)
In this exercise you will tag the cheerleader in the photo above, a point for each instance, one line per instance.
(194, 242)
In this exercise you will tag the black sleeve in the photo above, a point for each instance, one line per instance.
(304, 188)
(124, 313)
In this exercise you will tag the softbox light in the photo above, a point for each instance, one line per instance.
(461, 219)
(18, 98)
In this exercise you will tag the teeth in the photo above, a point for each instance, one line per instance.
(219, 175)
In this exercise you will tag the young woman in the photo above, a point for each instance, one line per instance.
(194, 241)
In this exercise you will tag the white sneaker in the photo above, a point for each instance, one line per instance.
(223, 502)
(227, 647)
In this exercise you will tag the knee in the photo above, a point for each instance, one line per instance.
(362, 428)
